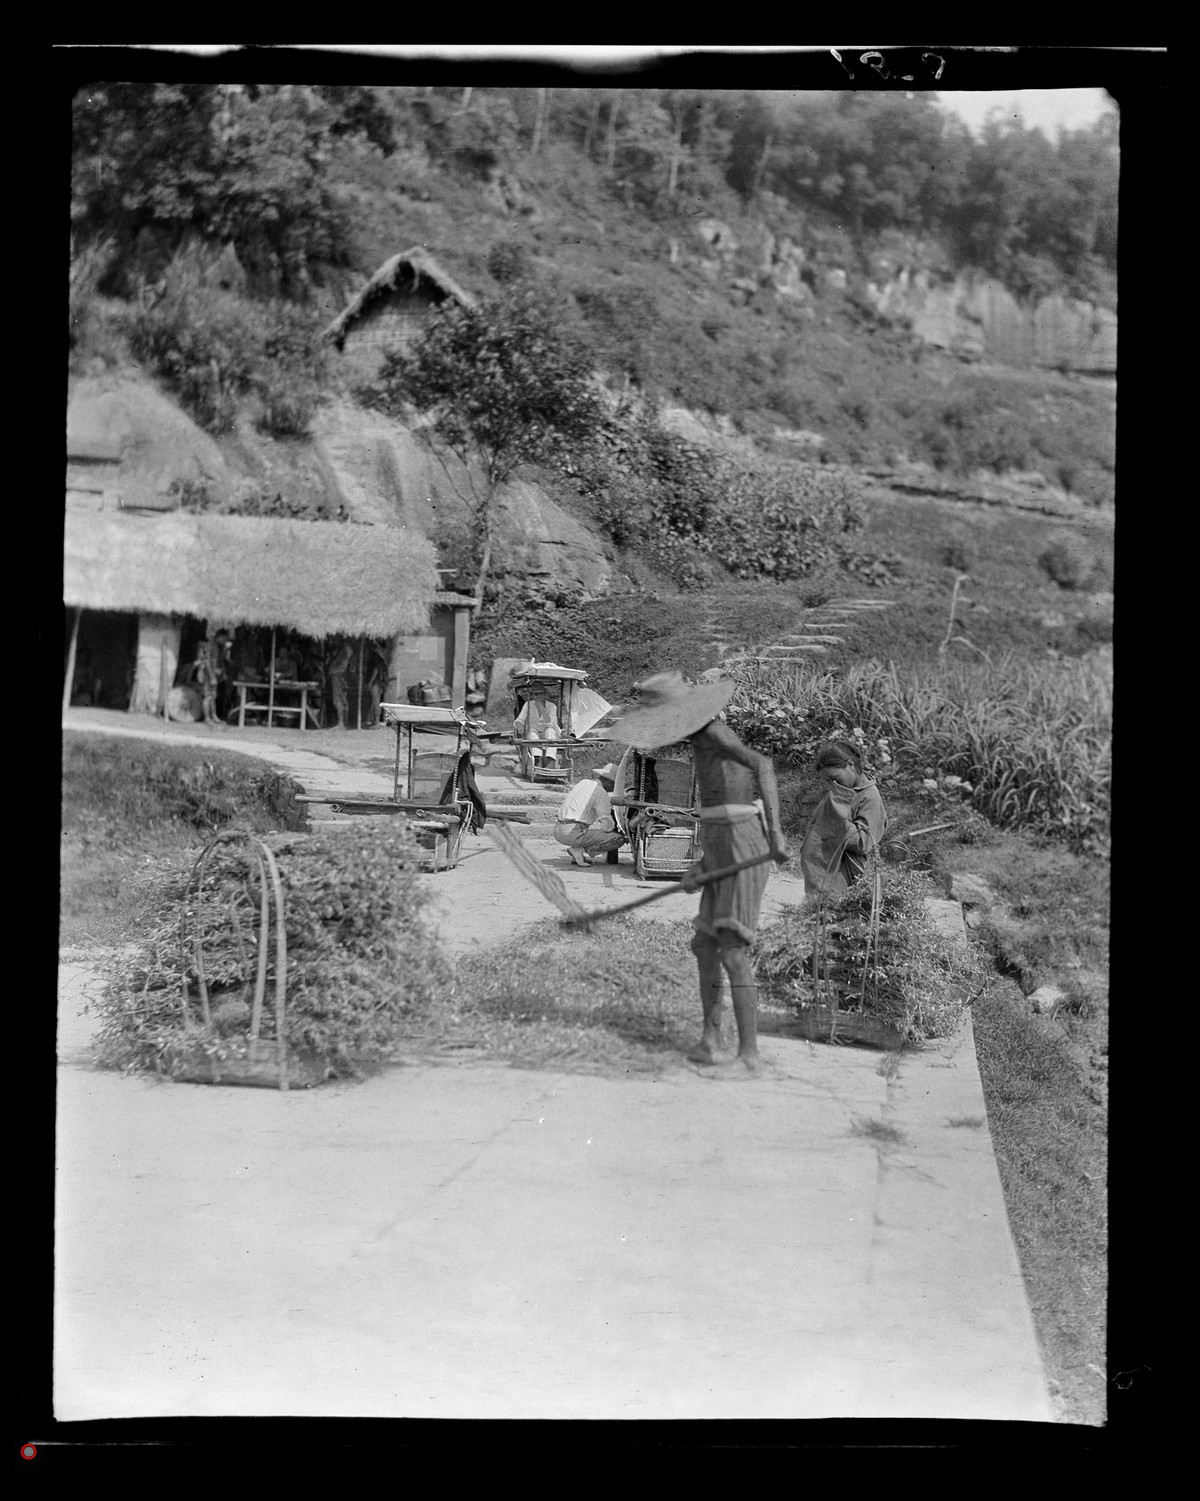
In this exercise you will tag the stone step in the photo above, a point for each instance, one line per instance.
(797, 640)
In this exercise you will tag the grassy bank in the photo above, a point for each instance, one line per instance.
(1050, 1143)
(128, 804)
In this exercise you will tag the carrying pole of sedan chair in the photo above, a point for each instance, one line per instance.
(67, 686)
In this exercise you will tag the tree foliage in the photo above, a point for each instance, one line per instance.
(217, 349)
(500, 384)
(245, 164)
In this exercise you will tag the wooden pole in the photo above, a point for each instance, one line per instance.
(361, 644)
(271, 685)
(69, 684)
(656, 896)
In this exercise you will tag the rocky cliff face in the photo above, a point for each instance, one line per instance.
(967, 314)
(976, 317)
(355, 463)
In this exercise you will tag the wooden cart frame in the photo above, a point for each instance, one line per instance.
(426, 788)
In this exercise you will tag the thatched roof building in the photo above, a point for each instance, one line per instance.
(318, 578)
(395, 299)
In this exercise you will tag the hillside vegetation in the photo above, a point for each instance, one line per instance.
(646, 218)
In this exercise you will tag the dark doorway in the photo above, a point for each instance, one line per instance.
(105, 657)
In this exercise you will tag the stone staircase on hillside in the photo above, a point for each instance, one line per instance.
(818, 629)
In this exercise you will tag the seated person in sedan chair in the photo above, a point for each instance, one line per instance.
(538, 720)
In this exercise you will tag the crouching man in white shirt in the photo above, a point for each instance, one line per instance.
(585, 821)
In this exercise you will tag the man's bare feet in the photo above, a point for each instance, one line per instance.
(707, 1053)
(737, 1068)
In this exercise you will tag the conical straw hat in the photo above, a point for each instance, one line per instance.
(670, 709)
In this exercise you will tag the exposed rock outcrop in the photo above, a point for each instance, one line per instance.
(158, 443)
(355, 462)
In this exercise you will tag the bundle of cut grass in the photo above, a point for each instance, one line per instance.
(361, 960)
(894, 968)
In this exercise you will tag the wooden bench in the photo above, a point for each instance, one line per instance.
(275, 710)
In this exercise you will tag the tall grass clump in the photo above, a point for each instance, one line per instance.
(1030, 741)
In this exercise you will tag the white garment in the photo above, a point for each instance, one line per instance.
(587, 802)
(538, 720)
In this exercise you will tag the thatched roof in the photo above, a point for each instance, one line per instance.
(319, 577)
(418, 264)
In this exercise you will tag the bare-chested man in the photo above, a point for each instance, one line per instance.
(739, 801)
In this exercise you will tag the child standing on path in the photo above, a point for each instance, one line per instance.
(847, 825)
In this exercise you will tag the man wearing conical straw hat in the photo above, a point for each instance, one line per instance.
(739, 821)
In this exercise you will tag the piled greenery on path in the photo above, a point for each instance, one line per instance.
(1029, 741)
(911, 976)
(362, 959)
(555, 998)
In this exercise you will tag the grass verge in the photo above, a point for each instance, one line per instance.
(1050, 1146)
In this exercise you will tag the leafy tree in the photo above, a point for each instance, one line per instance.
(238, 163)
(502, 386)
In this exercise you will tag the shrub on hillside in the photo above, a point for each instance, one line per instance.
(91, 331)
(1069, 562)
(508, 260)
(361, 957)
(782, 521)
(216, 348)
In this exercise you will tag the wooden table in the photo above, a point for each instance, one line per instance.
(272, 709)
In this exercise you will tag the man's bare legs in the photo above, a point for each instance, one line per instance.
(712, 980)
(715, 958)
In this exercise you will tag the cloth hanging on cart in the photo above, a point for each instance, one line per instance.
(468, 787)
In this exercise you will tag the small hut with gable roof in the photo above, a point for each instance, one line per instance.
(392, 307)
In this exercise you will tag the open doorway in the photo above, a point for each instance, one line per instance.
(105, 657)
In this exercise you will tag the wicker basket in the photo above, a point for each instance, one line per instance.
(250, 1061)
(669, 853)
(815, 1019)
(829, 1024)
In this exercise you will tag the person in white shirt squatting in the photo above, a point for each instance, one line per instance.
(585, 820)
